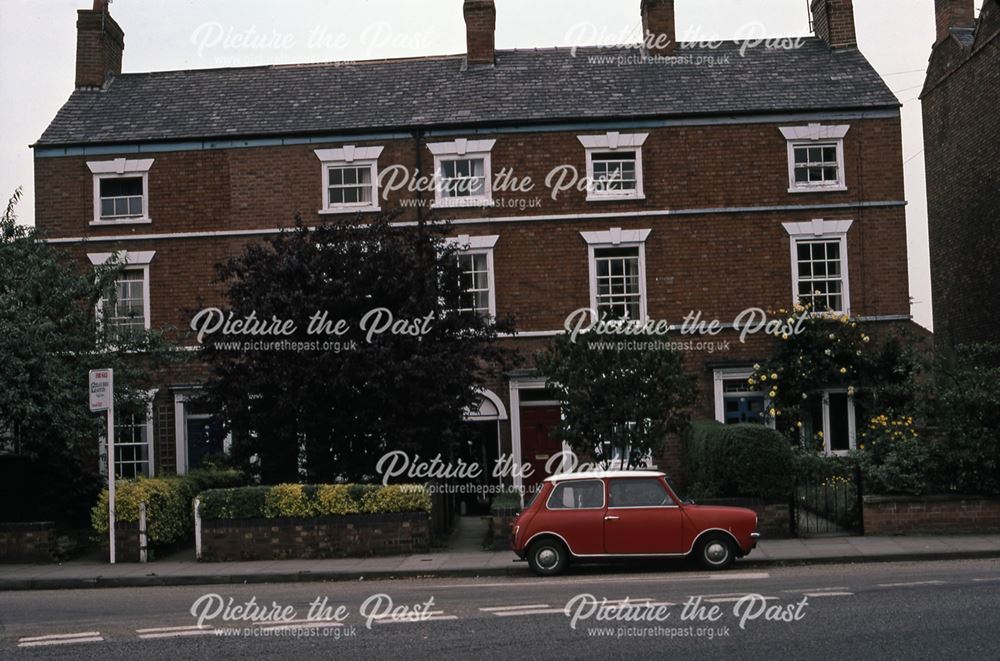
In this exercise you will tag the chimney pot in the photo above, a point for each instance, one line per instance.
(659, 27)
(480, 31)
(953, 14)
(100, 43)
(833, 22)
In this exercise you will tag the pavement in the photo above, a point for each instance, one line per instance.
(183, 569)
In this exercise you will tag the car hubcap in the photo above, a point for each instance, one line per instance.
(716, 552)
(547, 558)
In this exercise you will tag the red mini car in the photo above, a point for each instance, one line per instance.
(626, 513)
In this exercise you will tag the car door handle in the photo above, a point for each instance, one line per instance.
(611, 518)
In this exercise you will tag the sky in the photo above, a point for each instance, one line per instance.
(38, 49)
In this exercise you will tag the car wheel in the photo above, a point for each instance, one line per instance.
(716, 552)
(548, 557)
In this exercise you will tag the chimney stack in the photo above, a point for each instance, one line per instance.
(833, 22)
(480, 30)
(659, 30)
(100, 43)
(953, 14)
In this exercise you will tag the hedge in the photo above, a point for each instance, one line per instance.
(738, 461)
(307, 500)
(169, 515)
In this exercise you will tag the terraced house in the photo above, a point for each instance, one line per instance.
(715, 179)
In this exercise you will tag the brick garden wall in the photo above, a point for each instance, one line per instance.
(28, 542)
(772, 518)
(888, 515)
(321, 537)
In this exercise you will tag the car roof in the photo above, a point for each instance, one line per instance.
(590, 475)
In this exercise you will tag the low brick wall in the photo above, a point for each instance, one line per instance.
(126, 542)
(351, 535)
(28, 542)
(903, 515)
(772, 518)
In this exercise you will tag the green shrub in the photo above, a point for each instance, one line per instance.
(396, 498)
(335, 499)
(738, 461)
(506, 502)
(169, 516)
(287, 500)
(241, 503)
(296, 500)
(894, 458)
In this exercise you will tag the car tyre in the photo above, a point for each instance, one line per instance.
(716, 552)
(548, 557)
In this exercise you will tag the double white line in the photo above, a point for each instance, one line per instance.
(545, 609)
(174, 632)
(61, 639)
(429, 616)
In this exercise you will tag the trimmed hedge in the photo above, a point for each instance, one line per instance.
(307, 500)
(169, 517)
(738, 461)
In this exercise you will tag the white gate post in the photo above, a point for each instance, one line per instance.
(142, 532)
(197, 528)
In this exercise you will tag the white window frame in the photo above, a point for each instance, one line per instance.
(616, 237)
(463, 149)
(852, 423)
(481, 245)
(811, 135)
(821, 230)
(121, 168)
(720, 376)
(133, 261)
(614, 142)
(350, 156)
(150, 444)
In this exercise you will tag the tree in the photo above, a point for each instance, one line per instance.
(618, 398)
(326, 407)
(835, 351)
(49, 340)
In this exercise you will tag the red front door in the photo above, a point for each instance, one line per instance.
(537, 443)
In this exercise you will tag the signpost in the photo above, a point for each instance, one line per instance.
(102, 398)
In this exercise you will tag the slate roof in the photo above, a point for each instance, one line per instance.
(526, 86)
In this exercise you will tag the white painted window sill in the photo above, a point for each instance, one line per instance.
(817, 189)
(615, 198)
(124, 221)
(333, 212)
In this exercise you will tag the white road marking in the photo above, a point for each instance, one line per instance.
(983, 580)
(60, 639)
(829, 594)
(539, 611)
(308, 624)
(577, 580)
(497, 609)
(427, 616)
(179, 634)
(163, 629)
(729, 600)
(56, 636)
(807, 590)
(910, 584)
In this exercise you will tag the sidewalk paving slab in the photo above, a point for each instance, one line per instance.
(182, 569)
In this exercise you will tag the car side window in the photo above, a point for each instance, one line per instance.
(638, 493)
(577, 495)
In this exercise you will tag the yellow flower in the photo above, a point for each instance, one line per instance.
(865, 339)
(763, 377)
(772, 394)
(820, 434)
(799, 424)
(774, 375)
(843, 370)
(771, 412)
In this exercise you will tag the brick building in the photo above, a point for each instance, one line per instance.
(717, 180)
(962, 150)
